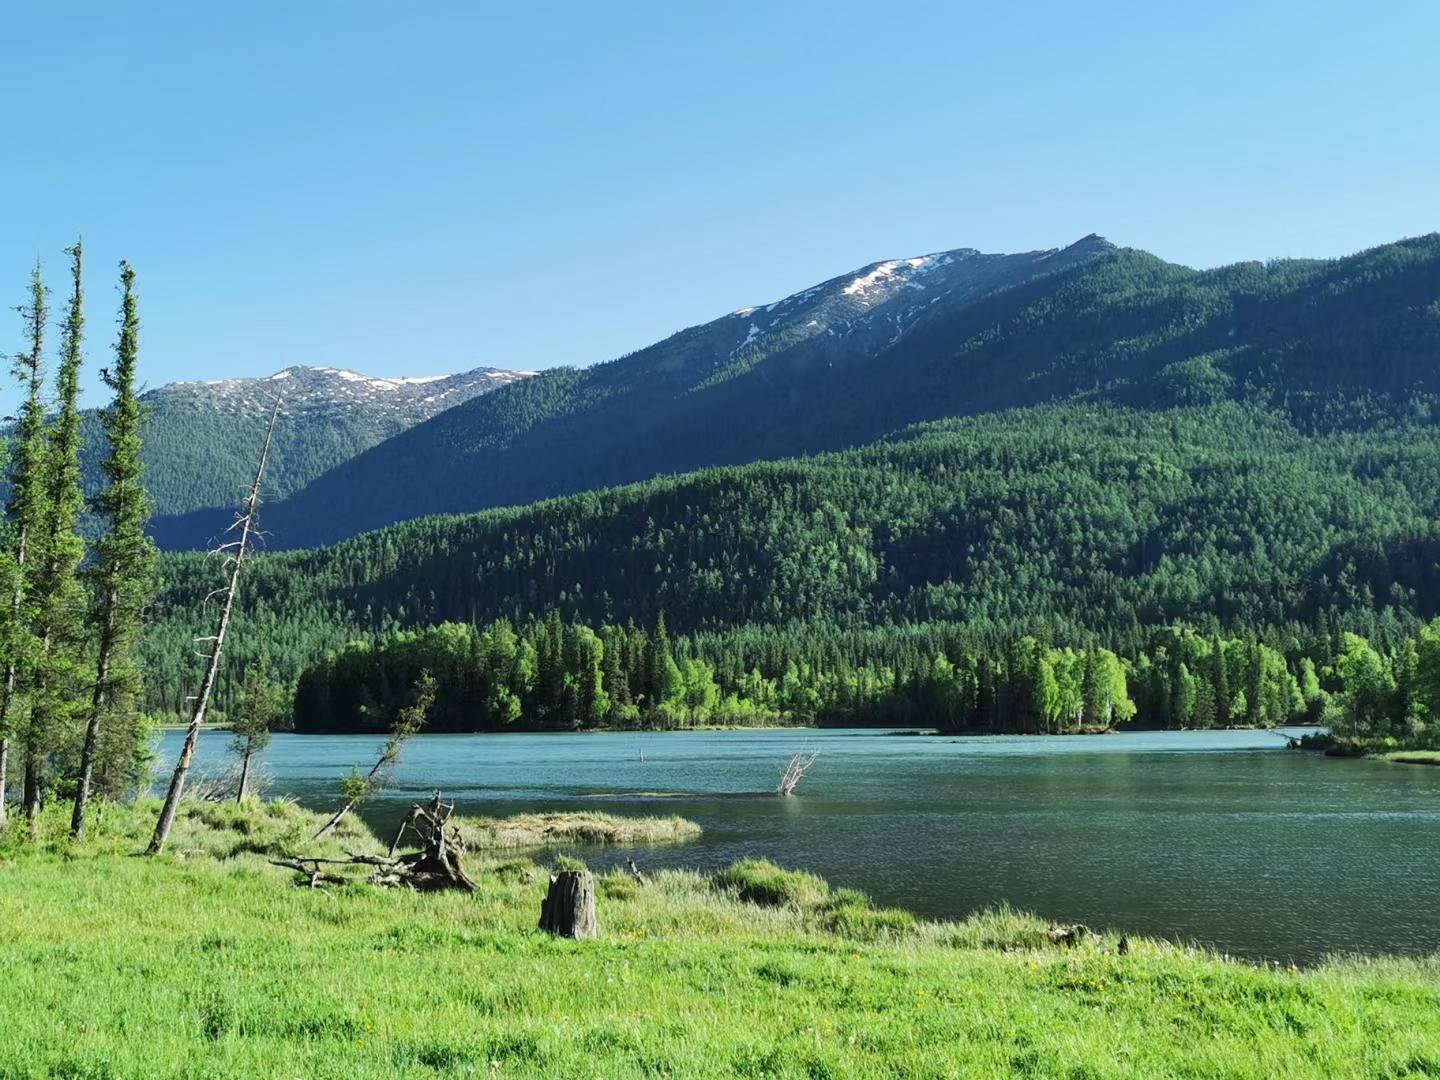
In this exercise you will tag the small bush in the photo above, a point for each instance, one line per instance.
(760, 881)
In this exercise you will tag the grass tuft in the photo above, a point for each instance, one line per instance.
(581, 828)
(759, 881)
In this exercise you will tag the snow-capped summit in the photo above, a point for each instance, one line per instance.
(858, 313)
(408, 398)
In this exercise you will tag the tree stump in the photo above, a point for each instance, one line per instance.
(569, 906)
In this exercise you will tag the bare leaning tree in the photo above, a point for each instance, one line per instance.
(233, 551)
(795, 772)
(355, 788)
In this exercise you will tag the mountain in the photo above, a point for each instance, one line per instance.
(642, 414)
(1123, 445)
(202, 438)
(1332, 342)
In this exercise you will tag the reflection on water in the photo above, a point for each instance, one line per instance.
(1220, 837)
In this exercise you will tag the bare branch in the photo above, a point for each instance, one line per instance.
(795, 772)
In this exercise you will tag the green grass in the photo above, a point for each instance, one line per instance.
(759, 881)
(1413, 757)
(576, 828)
(205, 963)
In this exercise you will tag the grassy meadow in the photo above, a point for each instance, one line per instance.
(206, 963)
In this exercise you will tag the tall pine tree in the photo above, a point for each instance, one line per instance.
(24, 515)
(59, 600)
(122, 575)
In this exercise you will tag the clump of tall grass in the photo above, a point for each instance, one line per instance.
(759, 881)
(849, 913)
(577, 828)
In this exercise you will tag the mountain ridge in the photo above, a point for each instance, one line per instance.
(611, 420)
(201, 437)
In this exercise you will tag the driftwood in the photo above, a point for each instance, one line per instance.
(435, 865)
(795, 772)
(569, 907)
(314, 871)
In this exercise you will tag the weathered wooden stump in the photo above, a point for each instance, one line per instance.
(569, 906)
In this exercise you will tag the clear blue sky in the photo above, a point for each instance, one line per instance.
(429, 187)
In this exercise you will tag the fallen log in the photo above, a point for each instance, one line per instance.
(315, 875)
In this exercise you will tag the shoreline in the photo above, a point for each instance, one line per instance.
(882, 731)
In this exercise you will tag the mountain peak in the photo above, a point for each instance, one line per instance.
(867, 309)
(307, 388)
(1093, 242)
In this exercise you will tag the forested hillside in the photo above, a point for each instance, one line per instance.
(1343, 344)
(1081, 525)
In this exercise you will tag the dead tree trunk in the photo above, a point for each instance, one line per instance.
(237, 548)
(795, 772)
(437, 865)
(569, 907)
(410, 720)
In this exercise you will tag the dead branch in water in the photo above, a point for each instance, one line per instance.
(795, 772)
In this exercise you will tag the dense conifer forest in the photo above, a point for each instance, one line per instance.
(852, 576)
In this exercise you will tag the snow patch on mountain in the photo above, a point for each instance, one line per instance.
(754, 333)
(405, 400)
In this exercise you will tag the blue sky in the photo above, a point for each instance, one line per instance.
(417, 188)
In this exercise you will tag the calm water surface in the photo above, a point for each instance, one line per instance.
(1219, 837)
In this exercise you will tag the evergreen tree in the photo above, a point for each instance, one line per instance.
(122, 577)
(1224, 699)
(59, 599)
(663, 681)
(255, 714)
(24, 521)
(1407, 715)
